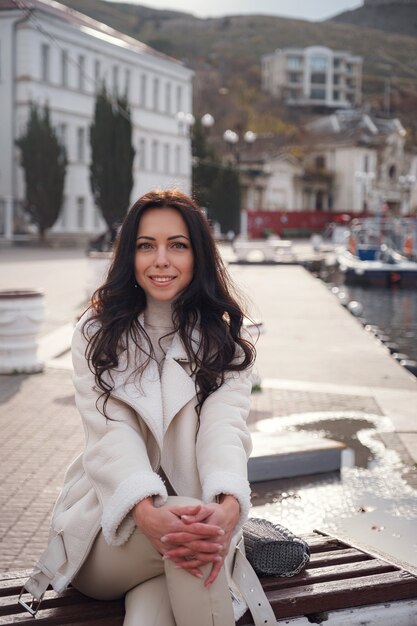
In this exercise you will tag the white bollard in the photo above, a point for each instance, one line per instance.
(21, 315)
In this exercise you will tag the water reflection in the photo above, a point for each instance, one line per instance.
(368, 501)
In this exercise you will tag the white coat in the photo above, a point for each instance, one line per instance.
(153, 424)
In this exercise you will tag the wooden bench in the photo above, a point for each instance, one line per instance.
(338, 578)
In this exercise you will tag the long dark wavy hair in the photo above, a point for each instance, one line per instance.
(208, 302)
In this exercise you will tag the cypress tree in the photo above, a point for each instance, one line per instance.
(215, 186)
(44, 162)
(112, 154)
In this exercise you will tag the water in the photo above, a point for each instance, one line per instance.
(393, 310)
(368, 500)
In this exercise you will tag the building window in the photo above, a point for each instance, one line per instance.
(294, 63)
(318, 94)
(81, 72)
(63, 214)
(155, 103)
(80, 212)
(392, 172)
(115, 80)
(80, 144)
(127, 83)
(319, 201)
(142, 154)
(97, 74)
(167, 155)
(168, 98)
(318, 78)
(293, 77)
(64, 68)
(143, 88)
(46, 53)
(320, 162)
(336, 95)
(155, 155)
(366, 163)
(178, 167)
(179, 98)
(318, 64)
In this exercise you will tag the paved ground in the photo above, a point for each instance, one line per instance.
(314, 357)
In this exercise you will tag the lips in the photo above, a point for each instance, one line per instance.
(162, 280)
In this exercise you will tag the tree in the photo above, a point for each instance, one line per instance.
(44, 162)
(215, 186)
(112, 154)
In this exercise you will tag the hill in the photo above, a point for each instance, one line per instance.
(225, 53)
(393, 17)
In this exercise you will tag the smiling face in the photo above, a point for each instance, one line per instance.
(164, 259)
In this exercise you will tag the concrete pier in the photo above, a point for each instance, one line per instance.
(314, 356)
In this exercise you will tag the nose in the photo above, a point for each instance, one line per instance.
(161, 259)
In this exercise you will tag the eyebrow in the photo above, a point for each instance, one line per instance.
(169, 238)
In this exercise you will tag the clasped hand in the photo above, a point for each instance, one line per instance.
(190, 536)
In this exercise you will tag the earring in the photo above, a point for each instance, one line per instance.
(136, 285)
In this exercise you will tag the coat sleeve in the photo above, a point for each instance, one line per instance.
(115, 457)
(224, 442)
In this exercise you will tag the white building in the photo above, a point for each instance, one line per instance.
(272, 183)
(52, 54)
(358, 163)
(313, 76)
(348, 162)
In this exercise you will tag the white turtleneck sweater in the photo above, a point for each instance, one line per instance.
(159, 327)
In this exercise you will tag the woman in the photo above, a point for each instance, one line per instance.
(153, 507)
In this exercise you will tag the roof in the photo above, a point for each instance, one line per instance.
(77, 19)
(355, 126)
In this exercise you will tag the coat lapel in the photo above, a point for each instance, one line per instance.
(142, 393)
(177, 386)
(156, 399)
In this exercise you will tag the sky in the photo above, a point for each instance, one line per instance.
(302, 9)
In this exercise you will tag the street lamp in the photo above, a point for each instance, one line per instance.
(232, 138)
(207, 121)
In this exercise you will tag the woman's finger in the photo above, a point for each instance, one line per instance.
(202, 531)
(194, 547)
(214, 573)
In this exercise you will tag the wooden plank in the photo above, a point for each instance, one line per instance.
(324, 574)
(91, 612)
(348, 555)
(322, 544)
(334, 595)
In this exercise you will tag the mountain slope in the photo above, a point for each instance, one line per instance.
(226, 56)
(395, 17)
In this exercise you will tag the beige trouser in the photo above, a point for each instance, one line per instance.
(157, 593)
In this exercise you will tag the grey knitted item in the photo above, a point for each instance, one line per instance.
(273, 550)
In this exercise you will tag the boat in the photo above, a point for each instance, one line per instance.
(379, 253)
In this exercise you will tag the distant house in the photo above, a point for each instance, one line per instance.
(365, 160)
(53, 54)
(348, 162)
(315, 76)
